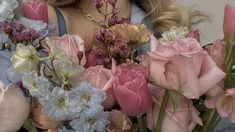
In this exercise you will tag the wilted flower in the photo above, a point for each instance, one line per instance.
(7, 8)
(133, 33)
(174, 33)
(119, 122)
(38, 86)
(24, 58)
(60, 104)
(94, 123)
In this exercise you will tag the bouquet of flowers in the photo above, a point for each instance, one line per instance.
(102, 83)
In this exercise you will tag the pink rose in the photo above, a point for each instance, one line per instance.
(182, 65)
(36, 11)
(72, 44)
(100, 76)
(119, 122)
(217, 53)
(131, 89)
(229, 23)
(184, 119)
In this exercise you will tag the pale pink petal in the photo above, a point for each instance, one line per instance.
(213, 95)
(224, 106)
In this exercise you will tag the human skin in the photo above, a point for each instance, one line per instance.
(78, 24)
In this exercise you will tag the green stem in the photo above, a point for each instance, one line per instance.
(162, 111)
(142, 127)
(210, 122)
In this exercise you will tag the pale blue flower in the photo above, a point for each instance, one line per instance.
(7, 8)
(60, 104)
(38, 86)
(96, 123)
(90, 98)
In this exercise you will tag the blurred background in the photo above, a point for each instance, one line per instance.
(213, 30)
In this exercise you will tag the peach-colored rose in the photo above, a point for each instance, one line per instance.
(182, 65)
(184, 119)
(41, 120)
(100, 76)
(131, 89)
(14, 109)
(119, 122)
(72, 44)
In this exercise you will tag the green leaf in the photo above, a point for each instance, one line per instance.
(28, 125)
(175, 97)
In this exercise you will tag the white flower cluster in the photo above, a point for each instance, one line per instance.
(174, 33)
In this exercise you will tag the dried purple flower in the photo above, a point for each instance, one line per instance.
(97, 3)
(112, 2)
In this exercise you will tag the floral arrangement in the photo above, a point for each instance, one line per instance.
(103, 84)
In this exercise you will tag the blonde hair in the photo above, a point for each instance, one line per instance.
(167, 13)
(163, 13)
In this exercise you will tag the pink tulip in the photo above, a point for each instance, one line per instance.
(217, 53)
(14, 109)
(131, 89)
(184, 119)
(36, 11)
(100, 76)
(119, 122)
(72, 45)
(229, 23)
(182, 65)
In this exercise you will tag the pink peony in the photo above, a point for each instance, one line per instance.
(229, 23)
(119, 122)
(36, 11)
(72, 44)
(131, 89)
(182, 65)
(184, 119)
(100, 76)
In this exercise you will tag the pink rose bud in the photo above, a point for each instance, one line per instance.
(229, 22)
(131, 89)
(36, 11)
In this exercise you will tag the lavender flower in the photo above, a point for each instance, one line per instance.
(96, 123)
(97, 3)
(38, 86)
(112, 2)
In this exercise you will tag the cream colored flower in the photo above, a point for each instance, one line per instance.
(133, 33)
(174, 33)
(24, 58)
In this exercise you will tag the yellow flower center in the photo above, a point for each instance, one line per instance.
(61, 103)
